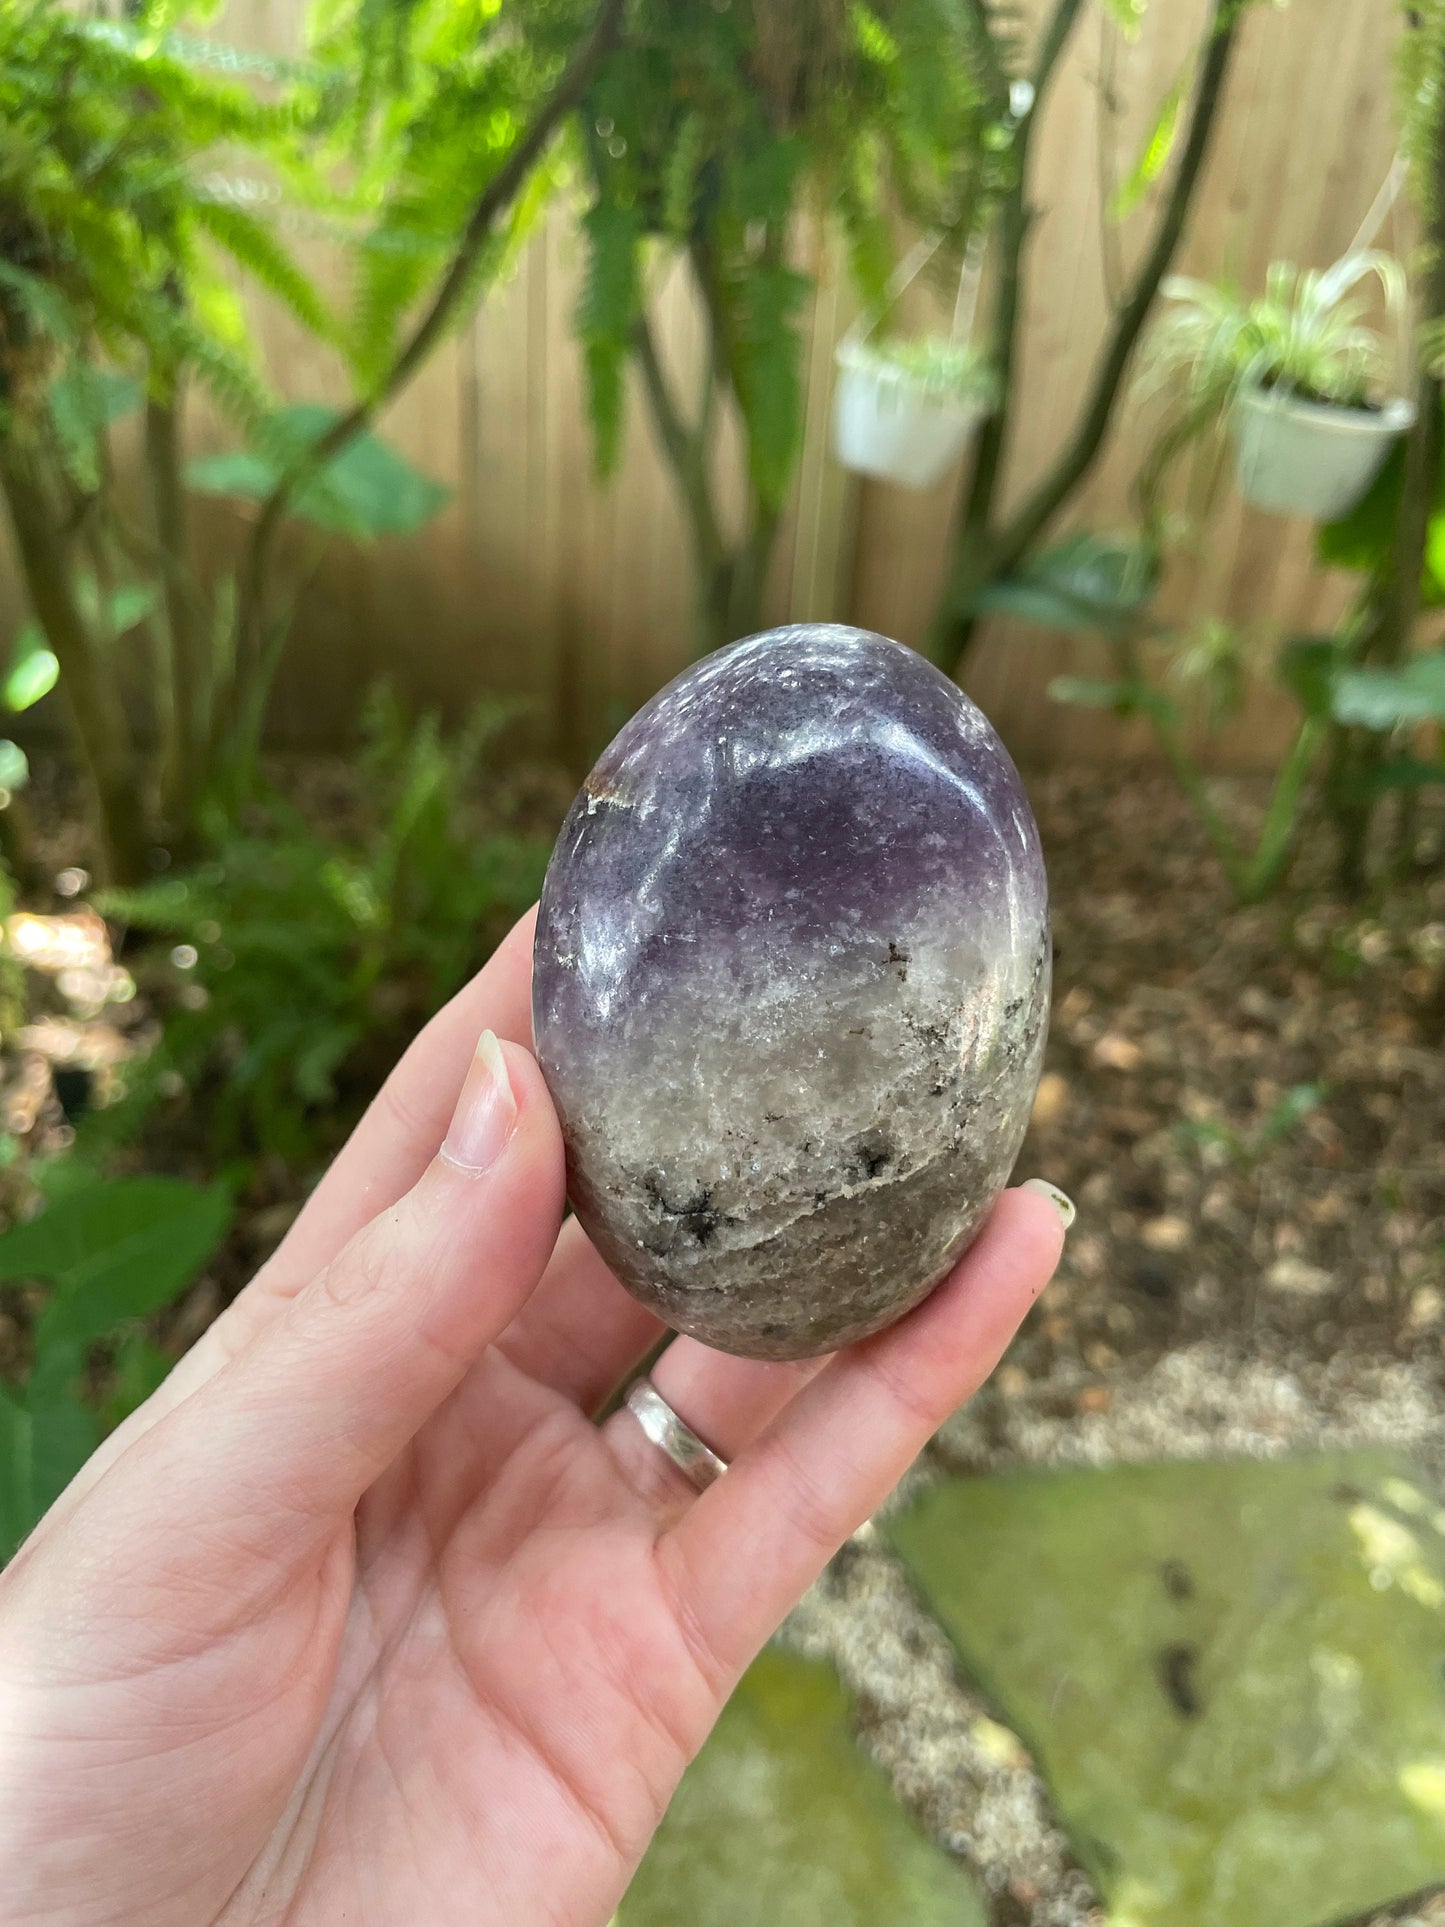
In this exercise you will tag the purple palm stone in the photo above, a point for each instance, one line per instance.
(791, 982)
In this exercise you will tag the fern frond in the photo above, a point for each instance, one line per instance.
(225, 373)
(606, 316)
(767, 364)
(680, 177)
(394, 265)
(38, 305)
(255, 247)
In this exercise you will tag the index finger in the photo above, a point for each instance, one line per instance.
(379, 1163)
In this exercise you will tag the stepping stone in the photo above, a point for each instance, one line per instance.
(782, 1819)
(1232, 1675)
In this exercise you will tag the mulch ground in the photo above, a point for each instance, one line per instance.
(1247, 1104)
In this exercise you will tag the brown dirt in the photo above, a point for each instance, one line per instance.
(1182, 1025)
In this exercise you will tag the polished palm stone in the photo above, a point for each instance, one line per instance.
(790, 991)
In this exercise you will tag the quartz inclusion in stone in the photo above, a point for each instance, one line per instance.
(790, 988)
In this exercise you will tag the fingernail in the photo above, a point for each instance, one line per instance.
(1061, 1200)
(485, 1113)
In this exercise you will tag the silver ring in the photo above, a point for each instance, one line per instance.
(697, 1463)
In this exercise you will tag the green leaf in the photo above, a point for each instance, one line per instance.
(1364, 540)
(63, 1433)
(131, 604)
(1296, 1104)
(606, 316)
(1092, 693)
(1127, 15)
(1386, 698)
(33, 672)
(1404, 773)
(46, 1435)
(315, 1066)
(14, 766)
(1040, 603)
(109, 394)
(114, 1250)
(1307, 666)
(140, 1367)
(1124, 698)
(17, 1511)
(42, 304)
(237, 472)
(1154, 155)
(83, 401)
(1084, 583)
(252, 244)
(680, 177)
(767, 359)
(366, 491)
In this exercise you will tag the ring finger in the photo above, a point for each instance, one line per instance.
(726, 1401)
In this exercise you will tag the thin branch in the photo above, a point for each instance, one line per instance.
(1393, 606)
(1400, 598)
(493, 201)
(1014, 218)
(1055, 38)
(1105, 107)
(685, 449)
(1079, 456)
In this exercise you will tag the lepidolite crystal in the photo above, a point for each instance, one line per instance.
(791, 981)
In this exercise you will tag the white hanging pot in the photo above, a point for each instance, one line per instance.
(1310, 458)
(890, 424)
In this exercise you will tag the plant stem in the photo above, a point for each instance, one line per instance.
(1078, 457)
(1356, 754)
(87, 676)
(183, 711)
(451, 293)
(750, 571)
(730, 579)
(973, 561)
(981, 552)
(1276, 837)
(686, 451)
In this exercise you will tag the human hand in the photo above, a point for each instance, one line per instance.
(361, 1618)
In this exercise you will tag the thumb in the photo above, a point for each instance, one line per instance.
(314, 1410)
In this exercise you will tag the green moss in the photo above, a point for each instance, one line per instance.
(1230, 1674)
(782, 1820)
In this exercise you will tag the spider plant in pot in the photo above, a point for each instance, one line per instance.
(1298, 374)
(904, 408)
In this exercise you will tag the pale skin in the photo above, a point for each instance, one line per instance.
(362, 1618)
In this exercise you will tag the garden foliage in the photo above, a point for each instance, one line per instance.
(103, 1256)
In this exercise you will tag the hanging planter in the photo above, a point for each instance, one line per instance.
(905, 408)
(905, 411)
(1297, 457)
(1294, 372)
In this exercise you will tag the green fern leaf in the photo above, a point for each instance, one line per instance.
(255, 247)
(679, 177)
(767, 375)
(394, 266)
(606, 316)
(1156, 149)
(43, 308)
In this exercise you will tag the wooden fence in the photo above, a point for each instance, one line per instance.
(536, 579)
